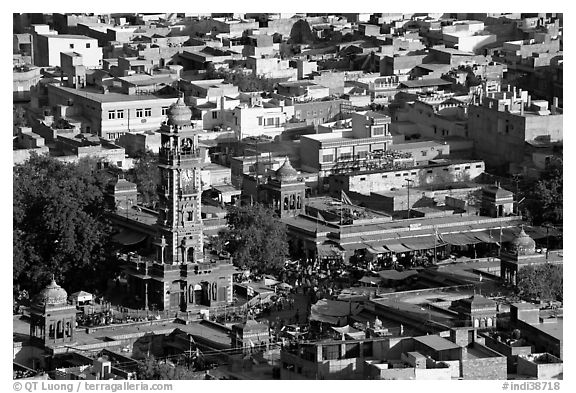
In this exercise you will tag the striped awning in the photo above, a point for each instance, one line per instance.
(422, 242)
(373, 249)
(488, 236)
(459, 239)
(397, 247)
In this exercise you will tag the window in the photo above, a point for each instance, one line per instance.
(362, 154)
(87, 46)
(413, 173)
(119, 164)
(345, 156)
(446, 169)
(120, 113)
(139, 112)
(331, 352)
(362, 179)
(457, 168)
(377, 130)
(148, 112)
(478, 165)
(259, 121)
(467, 167)
(164, 111)
(214, 115)
(328, 158)
(384, 176)
(71, 46)
(424, 153)
(398, 174)
(270, 121)
(297, 115)
(429, 171)
(406, 173)
(111, 115)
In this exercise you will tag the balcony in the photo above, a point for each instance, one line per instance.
(172, 156)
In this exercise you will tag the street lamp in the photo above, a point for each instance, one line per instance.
(408, 181)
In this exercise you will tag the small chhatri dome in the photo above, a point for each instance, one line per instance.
(286, 172)
(52, 295)
(179, 114)
(523, 244)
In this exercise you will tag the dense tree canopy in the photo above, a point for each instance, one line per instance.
(544, 282)
(545, 198)
(59, 225)
(152, 369)
(256, 238)
(146, 175)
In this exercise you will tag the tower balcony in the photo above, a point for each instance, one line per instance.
(171, 156)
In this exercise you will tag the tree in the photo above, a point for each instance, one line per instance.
(146, 175)
(544, 282)
(59, 225)
(256, 238)
(153, 369)
(544, 199)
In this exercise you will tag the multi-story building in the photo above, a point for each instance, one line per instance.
(24, 78)
(47, 49)
(323, 153)
(433, 116)
(506, 121)
(110, 114)
(437, 172)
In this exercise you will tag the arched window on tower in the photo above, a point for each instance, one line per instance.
(298, 202)
(59, 330)
(51, 332)
(190, 216)
(292, 202)
(68, 329)
(285, 203)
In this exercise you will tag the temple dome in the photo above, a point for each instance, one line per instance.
(52, 295)
(179, 114)
(523, 244)
(286, 173)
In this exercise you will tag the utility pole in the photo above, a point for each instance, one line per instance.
(408, 181)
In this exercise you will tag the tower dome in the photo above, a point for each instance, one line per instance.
(179, 114)
(52, 295)
(286, 173)
(523, 244)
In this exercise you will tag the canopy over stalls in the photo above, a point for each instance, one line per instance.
(397, 247)
(422, 243)
(270, 281)
(328, 251)
(459, 239)
(344, 329)
(487, 236)
(261, 298)
(370, 280)
(81, 296)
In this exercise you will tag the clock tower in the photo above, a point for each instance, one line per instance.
(180, 237)
(180, 277)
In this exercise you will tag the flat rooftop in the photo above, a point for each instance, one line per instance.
(110, 97)
(437, 343)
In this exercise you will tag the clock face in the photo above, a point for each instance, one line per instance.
(187, 176)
